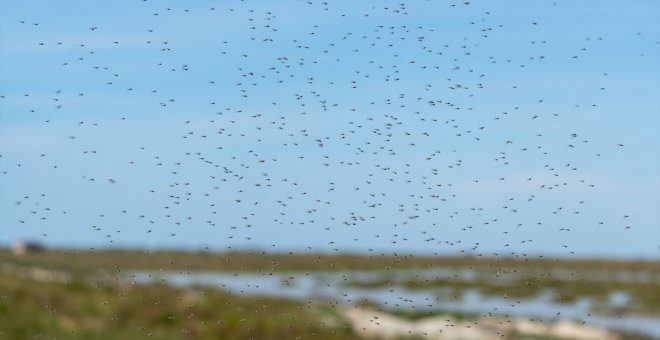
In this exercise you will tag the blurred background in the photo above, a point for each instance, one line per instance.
(249, 169)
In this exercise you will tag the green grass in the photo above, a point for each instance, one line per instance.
(102, 307)
(259, 261)
(77, 310)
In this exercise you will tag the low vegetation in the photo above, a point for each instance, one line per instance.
(90, 299)
(78, 310)
(91, 260)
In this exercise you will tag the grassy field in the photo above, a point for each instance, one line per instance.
(85, 307)
(78, 310)
(88, 261)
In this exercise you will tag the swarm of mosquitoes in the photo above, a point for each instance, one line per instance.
(312, 126)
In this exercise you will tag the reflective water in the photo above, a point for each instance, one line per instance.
(331, 287)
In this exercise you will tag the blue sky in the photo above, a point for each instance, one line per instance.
(446, 127)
